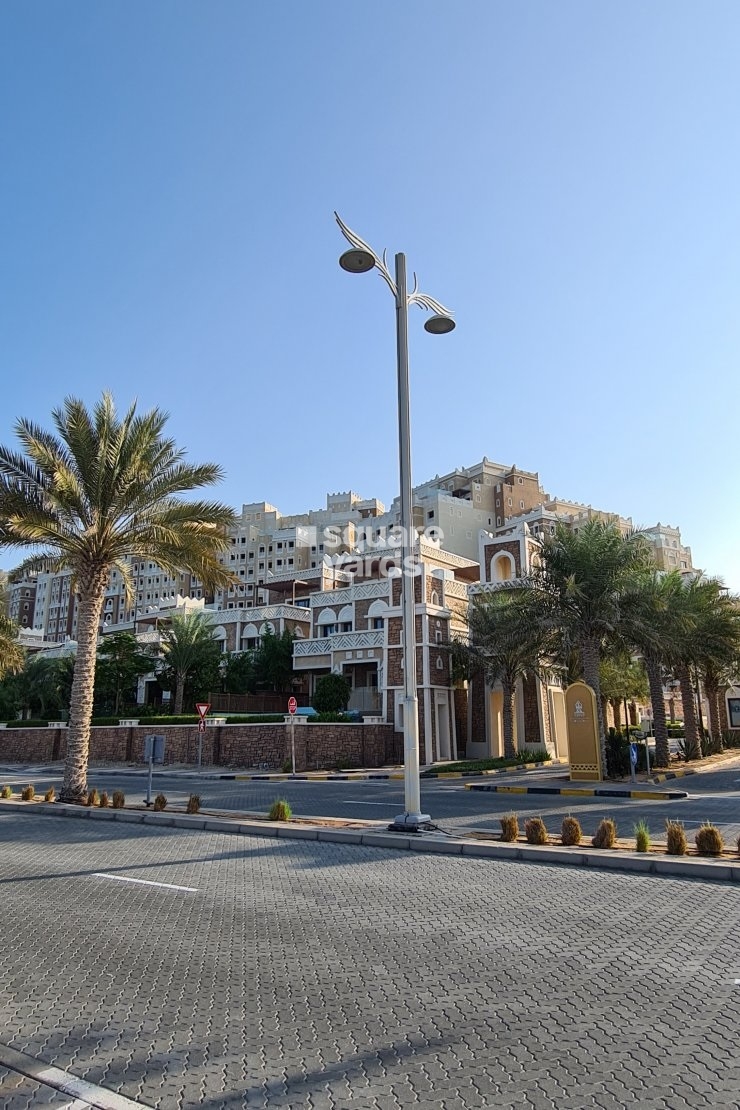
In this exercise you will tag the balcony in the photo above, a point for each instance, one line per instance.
(340, 641)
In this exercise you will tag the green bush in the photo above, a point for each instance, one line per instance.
(331, 694)
(642, 836)
(535, 831)
(119, 799)
(509, 827)
(709, 840)
(256, 719)
(605, 835)
(50, 795)
(104, 800)
(675, 837)
(570, 831)
(99, 722)
(6, 792)
(93, 798)
(193, 805)
(280, 810)
(28, 793)
(160, 803)
(32, 722)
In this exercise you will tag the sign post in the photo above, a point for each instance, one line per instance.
(154, 753)
(202, 707)
(292, 709)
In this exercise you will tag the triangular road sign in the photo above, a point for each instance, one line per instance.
(202, 707)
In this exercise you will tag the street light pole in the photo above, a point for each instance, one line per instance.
(360, 260)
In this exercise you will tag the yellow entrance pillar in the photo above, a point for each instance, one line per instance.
(584, 750)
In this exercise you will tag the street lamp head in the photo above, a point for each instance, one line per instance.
(357, 261)
(439, 325)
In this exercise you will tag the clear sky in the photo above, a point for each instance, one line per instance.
(565, 176)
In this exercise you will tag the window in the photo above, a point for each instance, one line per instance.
(345, 626)
(430, 514)
(440, 664)
(498, 521)
(377, 622)
(438, 637)
(520, 481)
(521, 504)
(510, 502)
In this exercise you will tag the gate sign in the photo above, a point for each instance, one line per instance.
(292, 705)
(584, 754)
(202, 707)
(154, 749)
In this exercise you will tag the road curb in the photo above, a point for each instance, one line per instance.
(582, 791)
(517, 769)
(720, 870)
(63, 1081)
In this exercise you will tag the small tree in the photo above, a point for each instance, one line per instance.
(331, 694)
(274, 661)
(239, 672)
(191, 655)
(121, 663)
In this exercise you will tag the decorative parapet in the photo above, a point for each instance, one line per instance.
(260, 613)
(453, 588)
(319, 646)
(346, 596)
(340, 641)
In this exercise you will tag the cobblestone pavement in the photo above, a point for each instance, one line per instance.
(335, 977)
(714, 797)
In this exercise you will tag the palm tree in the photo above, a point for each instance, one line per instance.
(101, 491)
(507, 640)
(581, 576)
(12, 655)
(710, 644)
(187, 645)
(621, 679)
(655, 619)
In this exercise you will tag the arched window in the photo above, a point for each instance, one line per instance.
(434, 599)
(503, 568)
(376, 614)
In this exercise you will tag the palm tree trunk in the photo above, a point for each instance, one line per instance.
(712, 692)
(508, 715)
(616, 704)
(655, 683)
(179, 693)
(590, 656)
(691, 729)
(89, 608)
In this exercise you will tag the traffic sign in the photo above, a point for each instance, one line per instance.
(292, 705)
(202, 707)
(201, 725)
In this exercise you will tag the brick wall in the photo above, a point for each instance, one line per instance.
(228, 745)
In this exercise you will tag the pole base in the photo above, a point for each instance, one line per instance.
(410, 822)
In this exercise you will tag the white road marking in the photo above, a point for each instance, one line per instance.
(361, 802)
(144, 882)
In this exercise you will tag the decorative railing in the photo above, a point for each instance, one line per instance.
(453, 588)
(346, 595)
(340, 641)
(319, 646)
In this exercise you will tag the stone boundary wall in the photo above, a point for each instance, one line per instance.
(265, 746)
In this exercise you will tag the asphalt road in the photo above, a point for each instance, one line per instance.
(712, 796)
(196, 969)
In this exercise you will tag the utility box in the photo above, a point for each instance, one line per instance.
(154, 749)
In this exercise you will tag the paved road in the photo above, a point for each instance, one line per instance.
(714, 796)
(334, 977)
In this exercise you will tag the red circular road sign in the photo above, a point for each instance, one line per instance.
(292, 705)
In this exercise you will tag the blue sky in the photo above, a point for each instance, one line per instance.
(563, 175)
